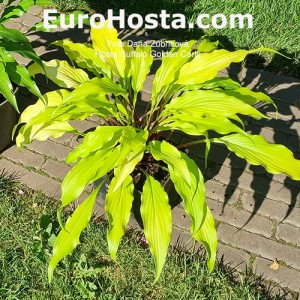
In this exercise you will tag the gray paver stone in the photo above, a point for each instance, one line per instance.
(145, 96)
(24, 156)
(56, 169)
(50, 148)
(240, 218)
(35, 10)
(288, 233)
(286, 130)
(31, 179)
(259, 245)
(180, 218)
(273, 209)
(184, 240)
(12, 24)
(233, 257)
(65, 139)
(285, 277)
(220, 192)
(261, 185)
(148, 85)
(29, 20)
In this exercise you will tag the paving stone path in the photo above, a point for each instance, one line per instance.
(258, 213)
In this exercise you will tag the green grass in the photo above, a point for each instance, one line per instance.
(28, 220)
(276, 24)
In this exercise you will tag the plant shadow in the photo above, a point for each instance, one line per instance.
(284, 130)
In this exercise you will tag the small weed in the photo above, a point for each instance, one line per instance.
(44, 237)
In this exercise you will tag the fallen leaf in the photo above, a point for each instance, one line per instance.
(275, 265)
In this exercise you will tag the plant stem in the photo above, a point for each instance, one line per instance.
(163, 168)
(146, 112)
(114, 122)
(143, 171)
(169, 135)
(150, 120)
(191, 144)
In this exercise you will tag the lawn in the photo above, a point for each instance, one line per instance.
(28, 225)
(276, 24)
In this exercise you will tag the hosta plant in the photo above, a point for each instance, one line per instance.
(132, 149)
(13, 41)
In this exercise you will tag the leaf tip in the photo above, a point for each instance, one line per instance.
(157, 274)
(211, 264)
(50, 272)
(112, 249)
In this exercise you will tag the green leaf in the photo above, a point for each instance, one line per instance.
(61, 73)
(187, 179)
(41, 26)
(118, 205)
(52, 99)
(19, 75)
(6, 87)
(13, 47)
(76, 112)
(169, 69)
(128, 52)
(109, 48)
(52, 120)
(44, 122)
(157, 221)
(14, 36)
(92, 96)
(140, 66)
(131, 151)
(206, 65)
(93, 90)
(219, 82)
(198, 126)
(101, 137)
(42, 127)
(2, 54)
(248, 96)
(68, 239)
(207, 235)
(13, 40)
(256, 150)
(207, 149)
(215, 83)
(85, 57)
(212, 103)
(54, 130)
(86, 171)
(11, 12)
(207, 46)
(40, 121)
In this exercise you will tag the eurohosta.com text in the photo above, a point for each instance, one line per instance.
(150, 21)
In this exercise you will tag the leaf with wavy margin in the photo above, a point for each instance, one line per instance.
(157, 220)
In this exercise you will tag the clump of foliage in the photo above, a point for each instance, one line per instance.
(132, 150)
